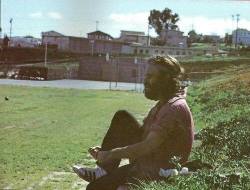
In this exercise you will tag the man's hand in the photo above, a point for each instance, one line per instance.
(104, 156)
(93, 151)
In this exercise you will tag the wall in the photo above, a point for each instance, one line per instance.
(120, 69)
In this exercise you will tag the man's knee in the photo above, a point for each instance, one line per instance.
(122, 114)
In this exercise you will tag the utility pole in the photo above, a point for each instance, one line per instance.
(45, 55)
(148, 35)
(237, 16)
(232, 31)
(96, 26)
(11, 20)
(237, 21)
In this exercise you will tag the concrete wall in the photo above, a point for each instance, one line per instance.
(120, 69)
(79, 45)
(62, 73)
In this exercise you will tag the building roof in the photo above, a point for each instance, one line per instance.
(98, 32)
(133, 32)
(52, 33)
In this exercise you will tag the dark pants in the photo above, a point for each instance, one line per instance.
(124, 130)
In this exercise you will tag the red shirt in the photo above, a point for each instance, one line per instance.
(173, 121)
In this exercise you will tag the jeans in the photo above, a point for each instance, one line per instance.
(124, 130)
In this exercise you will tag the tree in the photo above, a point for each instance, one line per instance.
(192, 37)
(165, 19)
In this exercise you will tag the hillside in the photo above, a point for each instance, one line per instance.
(221, 107)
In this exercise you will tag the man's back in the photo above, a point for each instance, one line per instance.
(173, 121)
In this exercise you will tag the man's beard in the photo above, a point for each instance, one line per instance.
(152, 92)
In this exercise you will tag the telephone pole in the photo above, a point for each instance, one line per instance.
(96, 26)
(237, 16)
(11, 20)
(237, 21)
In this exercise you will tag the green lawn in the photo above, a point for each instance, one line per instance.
(43, 130)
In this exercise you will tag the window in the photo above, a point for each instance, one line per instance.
(141, 51)
(146, 51)
(183, 53)
(162, 52)
(156, 51)
(135, 51)
(177, 53)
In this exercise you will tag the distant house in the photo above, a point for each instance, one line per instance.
(134, 37)
(97, 43)
(173, 38)
(66, 43)
(55, 38)
(241, 37)
(26, 41)
(99, 35)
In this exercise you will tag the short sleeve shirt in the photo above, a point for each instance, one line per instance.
(173, 122)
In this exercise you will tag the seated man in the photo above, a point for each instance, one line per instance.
(166, 132)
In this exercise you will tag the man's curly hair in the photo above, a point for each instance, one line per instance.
(171, 73)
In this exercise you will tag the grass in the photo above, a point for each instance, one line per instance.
(45, 130)
(221, 108)
(204, 58)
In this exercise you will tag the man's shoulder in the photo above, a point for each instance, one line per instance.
(175, 104)
(176, 99)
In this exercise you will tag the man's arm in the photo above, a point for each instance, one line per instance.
(152, 141)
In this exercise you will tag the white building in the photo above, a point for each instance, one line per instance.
(140, 50)
(241, 37)
(134, 37)
(55, 38)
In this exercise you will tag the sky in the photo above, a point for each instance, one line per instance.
(78, 17)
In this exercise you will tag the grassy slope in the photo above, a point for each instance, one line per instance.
(221, 107)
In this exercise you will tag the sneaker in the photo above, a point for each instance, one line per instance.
(89, 174)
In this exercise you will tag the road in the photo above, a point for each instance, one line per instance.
(74, 84)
